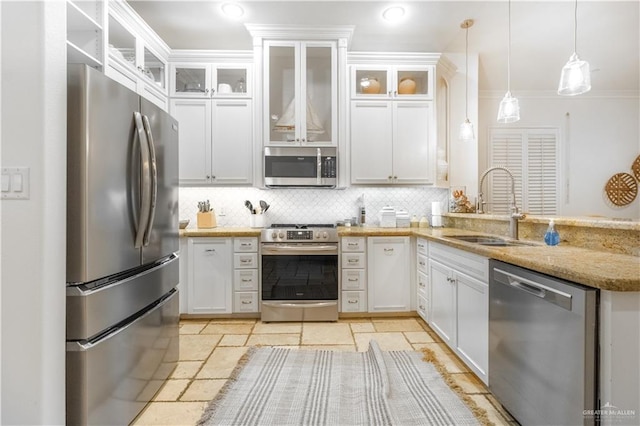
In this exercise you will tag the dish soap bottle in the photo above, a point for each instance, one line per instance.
(551, 237)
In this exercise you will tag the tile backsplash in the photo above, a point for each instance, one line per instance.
(307, 205)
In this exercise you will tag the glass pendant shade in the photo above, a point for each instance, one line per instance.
(509, 111)
(466, 131)
(575, 78)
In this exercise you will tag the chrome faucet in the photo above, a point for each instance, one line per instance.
(515, 213)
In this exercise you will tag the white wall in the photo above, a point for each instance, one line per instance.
(33, 231)
(599, 137)
(464, 155)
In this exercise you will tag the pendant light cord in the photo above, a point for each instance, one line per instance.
(509, 53)
(466, 75)
(575, 28)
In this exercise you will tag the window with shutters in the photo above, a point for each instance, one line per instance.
(532, 156)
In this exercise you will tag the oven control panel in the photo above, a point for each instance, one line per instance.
(298, 235)
(324, 235)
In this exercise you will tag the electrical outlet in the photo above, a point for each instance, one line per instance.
(222, 212)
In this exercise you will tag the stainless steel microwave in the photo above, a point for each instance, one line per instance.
(300, 167)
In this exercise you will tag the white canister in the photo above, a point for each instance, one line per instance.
(256, 221)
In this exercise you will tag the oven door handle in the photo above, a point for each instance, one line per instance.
(299, 305)
(298, 249)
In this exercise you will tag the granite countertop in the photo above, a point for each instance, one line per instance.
(593, 268)
(220, 232)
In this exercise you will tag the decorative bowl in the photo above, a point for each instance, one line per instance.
(184, 223)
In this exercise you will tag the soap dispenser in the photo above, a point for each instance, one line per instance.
(551, 237)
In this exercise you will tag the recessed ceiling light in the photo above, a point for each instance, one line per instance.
(393, 13)
(232, 10)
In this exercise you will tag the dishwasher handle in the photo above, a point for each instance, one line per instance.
(548, 294)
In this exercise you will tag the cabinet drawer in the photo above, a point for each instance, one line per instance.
(471, 264)
(245, 244)
(423, 263)
(353, 244)
(354, 301)
(422, 246)
(353, 260)
(423, 285)
(353, 279)
(423, 308)
(245, 280)
(245, 301)
(245, 260)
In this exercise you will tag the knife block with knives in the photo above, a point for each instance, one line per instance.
(206, 217)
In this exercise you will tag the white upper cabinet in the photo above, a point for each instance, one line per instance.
(392, 82)
(137, 57)
(391, 142)
(216, 140)
(85, 32)
(300, 93)
(206, 80)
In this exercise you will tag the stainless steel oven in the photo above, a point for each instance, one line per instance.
(299, 273)
(300, 167)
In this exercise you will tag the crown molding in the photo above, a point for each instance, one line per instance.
(196, 55)
(301, 32)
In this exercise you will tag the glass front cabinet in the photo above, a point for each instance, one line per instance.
(300, 93)
(382, 82)
(195, 80)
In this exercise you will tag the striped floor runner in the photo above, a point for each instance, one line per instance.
(276, 386)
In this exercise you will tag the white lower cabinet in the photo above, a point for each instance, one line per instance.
(472, 340)
(443, 308)
(459, 308)
(221, 274)
(353, 295)
(423, 290)
(210, 286)
(389, 278)
(245, 275)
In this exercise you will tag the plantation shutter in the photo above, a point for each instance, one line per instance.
(506, 151)
(542, 174)
(532, 157)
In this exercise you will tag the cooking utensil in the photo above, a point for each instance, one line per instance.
(264, 206)
(248, 205)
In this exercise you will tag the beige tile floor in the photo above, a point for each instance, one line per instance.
(210, 350)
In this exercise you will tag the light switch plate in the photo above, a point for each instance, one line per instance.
(17, 179)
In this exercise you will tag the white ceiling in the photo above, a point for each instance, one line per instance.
(541, 40)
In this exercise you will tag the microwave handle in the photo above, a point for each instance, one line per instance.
(319, 168)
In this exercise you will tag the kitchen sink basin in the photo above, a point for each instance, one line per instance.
(489, 240)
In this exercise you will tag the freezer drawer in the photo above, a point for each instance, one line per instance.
(92, 309)
(111, 379)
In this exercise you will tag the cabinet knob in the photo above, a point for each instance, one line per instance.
(352, 260)
(247, 302)
(388, 250)
(213, 177)
(421, 307)
(206, 91)
(304, 139)
(352, 301)
(210, 250)
(353, 279)
(390, 177)
(395, 178)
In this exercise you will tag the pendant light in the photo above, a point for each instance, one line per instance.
(575, 78)
(509, 111)
(466, 128)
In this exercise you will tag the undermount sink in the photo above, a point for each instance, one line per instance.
(489, 240)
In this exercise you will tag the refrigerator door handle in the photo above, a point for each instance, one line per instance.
(154, 179)
(145, 197)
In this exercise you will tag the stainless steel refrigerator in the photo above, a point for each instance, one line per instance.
(122, 240)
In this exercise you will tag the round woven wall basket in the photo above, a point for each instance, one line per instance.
(621, 189)
(636, 168)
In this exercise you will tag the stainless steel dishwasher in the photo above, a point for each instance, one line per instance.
(542, 346)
